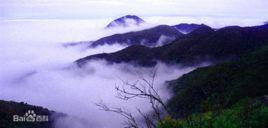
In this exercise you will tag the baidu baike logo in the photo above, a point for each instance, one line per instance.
(30, 116)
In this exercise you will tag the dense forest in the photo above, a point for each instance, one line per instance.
(229, 95)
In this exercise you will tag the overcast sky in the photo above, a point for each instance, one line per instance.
(83, 9)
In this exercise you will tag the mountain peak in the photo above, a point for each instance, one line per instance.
(201, 30)
(126, 21)
(187, 28)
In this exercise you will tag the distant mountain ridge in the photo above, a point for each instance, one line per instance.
(156, 36)
(187, 28)
(202, 44)
(125, 21)
(151, 37)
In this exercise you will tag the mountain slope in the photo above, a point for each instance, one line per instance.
(158, 35)
(200, 45)
(10, 108)
(125, 21)
(220, 86)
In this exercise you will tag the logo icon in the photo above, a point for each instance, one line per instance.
(30, 116)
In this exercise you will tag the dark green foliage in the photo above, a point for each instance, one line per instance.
(10, 108)
(247, 113)
(220, 86)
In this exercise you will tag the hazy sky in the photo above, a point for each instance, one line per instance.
(82, 9)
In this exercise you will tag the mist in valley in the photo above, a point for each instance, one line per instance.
(37, 69)
(41, 40)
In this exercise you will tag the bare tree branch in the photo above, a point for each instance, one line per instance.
(149, 122)
(144, 89)
(131, 121)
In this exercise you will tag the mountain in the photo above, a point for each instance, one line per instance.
(221, 86)
(187, 28)
(201, 30)
(203, 44)
(155, 36)
(9, 108)
(125, 21)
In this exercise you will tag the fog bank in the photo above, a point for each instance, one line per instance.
(37, 69)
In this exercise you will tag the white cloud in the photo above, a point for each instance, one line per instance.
(33, 61)
(37, 71)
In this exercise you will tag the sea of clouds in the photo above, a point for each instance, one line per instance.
(37, 69)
